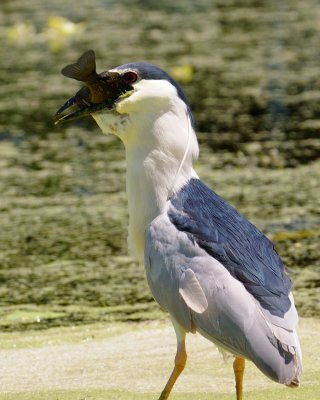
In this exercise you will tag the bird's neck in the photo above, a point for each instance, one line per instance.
(151, 180)
(160, 147)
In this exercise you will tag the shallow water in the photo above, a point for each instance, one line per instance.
(250, 70)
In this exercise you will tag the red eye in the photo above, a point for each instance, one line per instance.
(130, 76)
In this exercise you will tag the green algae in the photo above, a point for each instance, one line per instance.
(255, 97)
(63, 246)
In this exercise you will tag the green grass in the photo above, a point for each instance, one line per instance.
(133, 361)
(299, 394)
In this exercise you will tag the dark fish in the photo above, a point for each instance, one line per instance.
(84, 70)
(101, 90)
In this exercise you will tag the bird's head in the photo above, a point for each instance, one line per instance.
(148, 111)
(142, 92)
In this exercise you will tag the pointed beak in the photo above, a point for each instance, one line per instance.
(98, 95)
(80, 106)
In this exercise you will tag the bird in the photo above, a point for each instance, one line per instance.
(210, 268)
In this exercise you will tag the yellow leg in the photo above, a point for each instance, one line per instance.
(179, 362)
(238, 368)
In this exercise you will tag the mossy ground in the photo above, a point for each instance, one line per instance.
(64, 223)
(251, 73)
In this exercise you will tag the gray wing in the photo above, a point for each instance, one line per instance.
(229, 237)
(202, 295)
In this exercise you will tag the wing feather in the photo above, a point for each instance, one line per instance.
(204, 294)
(238, 245)
(192, 292)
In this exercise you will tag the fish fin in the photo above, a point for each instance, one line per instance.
(84, 67)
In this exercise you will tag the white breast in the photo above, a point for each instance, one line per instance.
(154, 125)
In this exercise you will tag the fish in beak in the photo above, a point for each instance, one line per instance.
(101, 90)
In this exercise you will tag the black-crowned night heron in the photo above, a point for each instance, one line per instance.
(207, 265)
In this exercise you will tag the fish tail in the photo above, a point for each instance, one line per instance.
(84, 67)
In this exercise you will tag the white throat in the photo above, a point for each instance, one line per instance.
(160, 146)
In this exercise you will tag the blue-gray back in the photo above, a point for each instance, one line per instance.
(238, 245)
